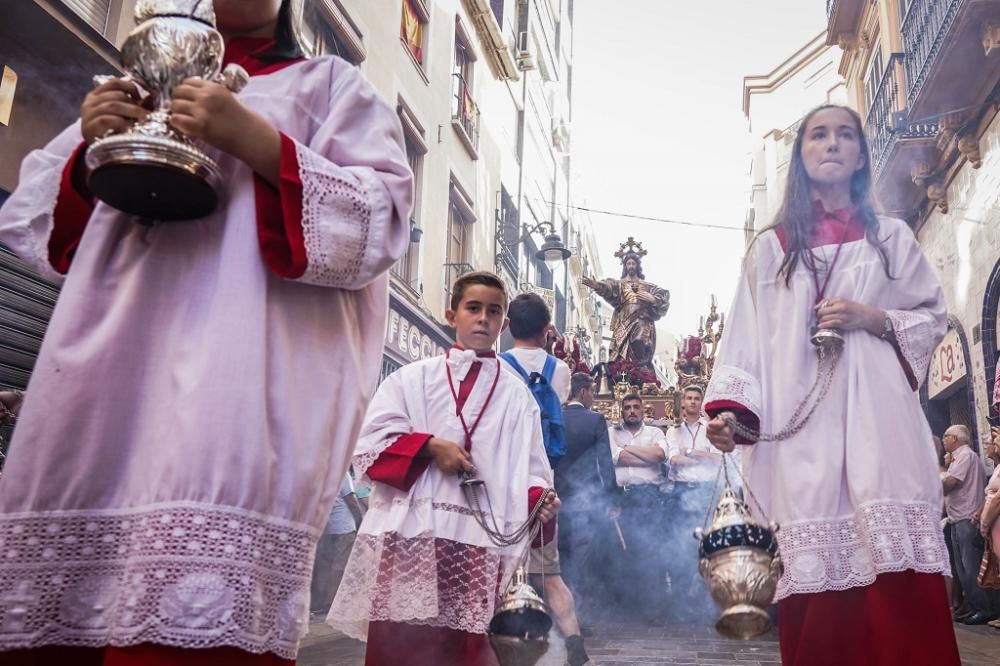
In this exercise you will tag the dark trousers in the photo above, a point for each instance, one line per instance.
(580, 558)
(967, 552)
(687, 507)
(644, 525)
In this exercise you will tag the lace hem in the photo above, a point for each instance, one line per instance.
(183, 574)
(422, 580)
(336, 222)
(736, 385)
(848, 552)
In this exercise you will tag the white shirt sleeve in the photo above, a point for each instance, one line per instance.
(347, 487)
(560, 381)
(616, 450)
(673, 445)
(660, 440)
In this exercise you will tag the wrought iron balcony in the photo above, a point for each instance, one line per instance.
(465, 113)
(842, 19)
(950, 64)
(886, 122)
(924, 28)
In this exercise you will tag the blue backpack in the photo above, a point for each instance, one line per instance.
(553, 430)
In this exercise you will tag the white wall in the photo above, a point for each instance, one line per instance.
(963, 247)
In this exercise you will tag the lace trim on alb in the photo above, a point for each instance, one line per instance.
(41, 222)
(907, 326)
(848, 552)
(422, 580)
(184, 574)
(382, 504)
(336, 222)
(736, 385)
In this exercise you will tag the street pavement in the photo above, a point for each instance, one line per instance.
(624, 645)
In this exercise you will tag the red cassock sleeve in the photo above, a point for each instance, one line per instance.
(745, 417)
(548, 532)
(399, 466)
(74, 205)
(279, 216)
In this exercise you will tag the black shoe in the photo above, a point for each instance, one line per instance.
(958, 616)
(978, 618)
(576, 655)
(586, 631)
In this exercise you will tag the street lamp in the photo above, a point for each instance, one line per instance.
(553, 250)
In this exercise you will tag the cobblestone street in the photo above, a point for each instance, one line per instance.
(621, 646)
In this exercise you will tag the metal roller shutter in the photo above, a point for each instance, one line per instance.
(26, 302)
(94, 12)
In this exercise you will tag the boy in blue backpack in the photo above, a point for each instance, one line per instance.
(549, 381)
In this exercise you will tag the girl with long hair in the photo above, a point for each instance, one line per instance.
(856, 489)
(201, 384)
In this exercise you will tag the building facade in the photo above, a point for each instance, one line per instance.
(483, 93)
(924, 75)
(774, 104)
(483, 90)
(51, 50)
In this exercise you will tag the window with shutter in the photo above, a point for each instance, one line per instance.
(94, 12)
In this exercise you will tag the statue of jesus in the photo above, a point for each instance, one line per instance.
(637, 304)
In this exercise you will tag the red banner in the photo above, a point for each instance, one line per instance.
(411, 31)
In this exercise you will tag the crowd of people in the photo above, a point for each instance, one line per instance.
(176, 514)
(971, 525)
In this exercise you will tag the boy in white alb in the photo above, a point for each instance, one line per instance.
(424, 578)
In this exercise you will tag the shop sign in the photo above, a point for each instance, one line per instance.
(407, 340)
(947, 370)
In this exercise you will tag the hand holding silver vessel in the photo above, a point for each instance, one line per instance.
(141, 159)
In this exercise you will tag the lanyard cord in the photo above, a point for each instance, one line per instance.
(694, 435)
(821, 290)
(458, 411)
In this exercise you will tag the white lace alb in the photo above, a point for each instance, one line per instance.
(733, 384)
(184, 574)
(422, 580)
(916, 341)
(336, 221)
(851, 551)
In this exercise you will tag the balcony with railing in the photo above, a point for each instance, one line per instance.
(951, 56)
(842, 18)
(886, 122)
(895, 143)
(465, 115)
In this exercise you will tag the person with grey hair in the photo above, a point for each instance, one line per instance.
(964, 483)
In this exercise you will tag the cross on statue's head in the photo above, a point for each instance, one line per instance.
(631, 253)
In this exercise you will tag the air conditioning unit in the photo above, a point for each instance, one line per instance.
(525, 61)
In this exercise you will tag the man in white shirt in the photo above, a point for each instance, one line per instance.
(964, 483)
(694, 469)
(638, 452)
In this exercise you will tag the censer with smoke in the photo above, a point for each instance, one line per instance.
(519, 630)
(739, 557)
(739, 560)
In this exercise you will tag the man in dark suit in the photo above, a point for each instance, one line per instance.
(585, 482)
